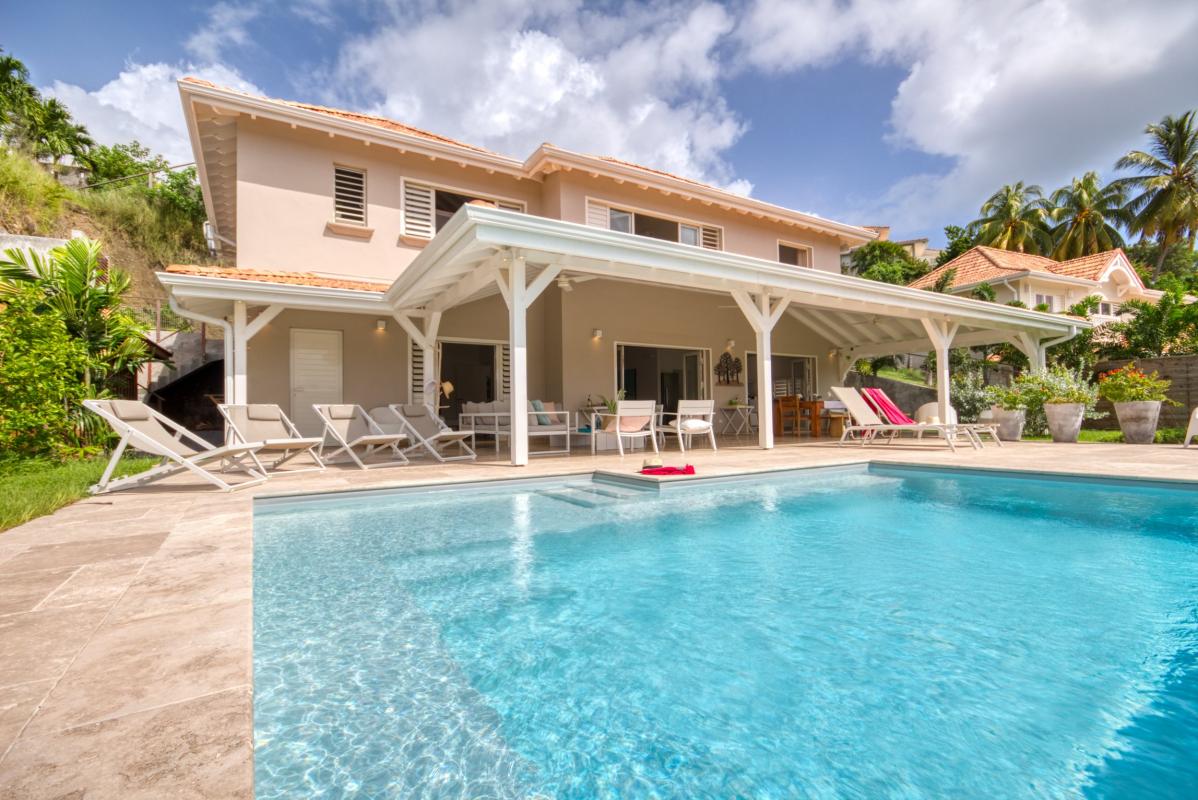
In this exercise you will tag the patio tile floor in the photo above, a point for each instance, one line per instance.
(125, 620)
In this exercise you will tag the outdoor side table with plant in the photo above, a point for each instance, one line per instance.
(1137, 397)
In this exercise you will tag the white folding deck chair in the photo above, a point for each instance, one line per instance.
(1192, 430)
(144, 429)
(634, 419)
(352, 430)
(266, 423)
(428, 431)
(869, 425)
(693, 417)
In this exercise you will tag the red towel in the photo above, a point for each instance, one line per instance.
(687, 470)
(886, 407)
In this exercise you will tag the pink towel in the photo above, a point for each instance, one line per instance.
(886, 407)
(687, 470)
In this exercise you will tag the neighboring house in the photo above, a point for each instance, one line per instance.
(916, 248)
(369, 261)
(1037, 281)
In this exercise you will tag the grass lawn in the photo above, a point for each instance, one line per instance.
(1163, 436)
(35, 487)
(903, 374)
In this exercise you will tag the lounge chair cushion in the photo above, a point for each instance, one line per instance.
(267, 412)
(130, 410)
(627, 424)
(537, 405)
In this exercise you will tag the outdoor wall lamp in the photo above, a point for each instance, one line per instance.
(596, 333)
(380, 325)
(729, 345)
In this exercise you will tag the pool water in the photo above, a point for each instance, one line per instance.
(872, 633)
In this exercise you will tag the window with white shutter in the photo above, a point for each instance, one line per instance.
(598, 214)
(797, 255)
(418, 210)
(349, 195)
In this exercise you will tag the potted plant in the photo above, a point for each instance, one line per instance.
(1066, 398)
(1137, 397)
(1008, 409)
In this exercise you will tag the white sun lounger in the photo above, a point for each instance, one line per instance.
(357, 436)
(144, 429)
(429, 432)
(266, 423)
(867, 423)
(1192, 430)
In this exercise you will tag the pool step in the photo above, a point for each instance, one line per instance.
(591, 496)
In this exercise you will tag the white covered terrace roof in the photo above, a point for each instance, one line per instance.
(860, 318)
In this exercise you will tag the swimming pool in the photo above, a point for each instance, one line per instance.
(853, 632)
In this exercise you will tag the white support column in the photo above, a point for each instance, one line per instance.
(240, 354)
(1031, 346)
(941, 333)
(428, 352)
(518, 346)
(762, 317)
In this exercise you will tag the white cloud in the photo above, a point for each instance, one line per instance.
(226, 26)
(638, 83)
(142, 103)
(1038, 91)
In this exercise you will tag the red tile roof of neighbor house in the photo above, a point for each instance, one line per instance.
(269, 276)
(986, 264)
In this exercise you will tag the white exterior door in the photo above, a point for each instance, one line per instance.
(315, 375)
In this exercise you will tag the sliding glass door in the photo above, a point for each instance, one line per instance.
(662, 374)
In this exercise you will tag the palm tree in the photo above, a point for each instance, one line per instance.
(1086, 214)
(1013, 218)
(15, 90)
(1167, 204)
(47, 129)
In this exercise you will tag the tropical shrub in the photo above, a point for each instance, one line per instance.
(1129, 384)
(969, 394)
(41, 390)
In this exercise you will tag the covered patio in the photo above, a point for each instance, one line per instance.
(493, 263)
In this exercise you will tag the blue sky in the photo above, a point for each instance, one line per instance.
(868, 111)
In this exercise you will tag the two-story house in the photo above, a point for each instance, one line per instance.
(370, 262)
(1040, 282)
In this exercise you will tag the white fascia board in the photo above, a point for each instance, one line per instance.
(282, 112)
(193, 134)
(548, 154)
(720, 270)
(313, 298)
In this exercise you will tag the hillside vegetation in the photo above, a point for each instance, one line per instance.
(141, 233)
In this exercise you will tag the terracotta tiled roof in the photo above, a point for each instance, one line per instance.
(268, 276)
(989, 264)
(1088, 267)
(613, 160)
(353, 116)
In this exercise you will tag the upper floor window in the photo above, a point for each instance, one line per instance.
(349, 195)
(1046, 301)
(796, 255)
(1108, 309)
(426, 209)
(602, 215)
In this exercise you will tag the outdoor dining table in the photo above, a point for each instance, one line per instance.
(812, 409)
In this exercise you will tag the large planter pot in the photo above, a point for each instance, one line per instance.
(1010, 423)
(1138, 420)
(1064, 420)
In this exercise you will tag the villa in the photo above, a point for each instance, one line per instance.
(1040, 282)
(362, 251)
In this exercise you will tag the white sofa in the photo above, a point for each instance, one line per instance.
(495, 419)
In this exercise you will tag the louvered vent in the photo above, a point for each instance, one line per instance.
(711, 238)
(418, 211)
(509, 206)
(349, 195)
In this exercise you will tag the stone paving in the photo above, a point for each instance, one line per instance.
(125, 620)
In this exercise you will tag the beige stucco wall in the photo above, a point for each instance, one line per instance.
(285, 200)
(374, 363)
(632, 314)
(567, 193)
